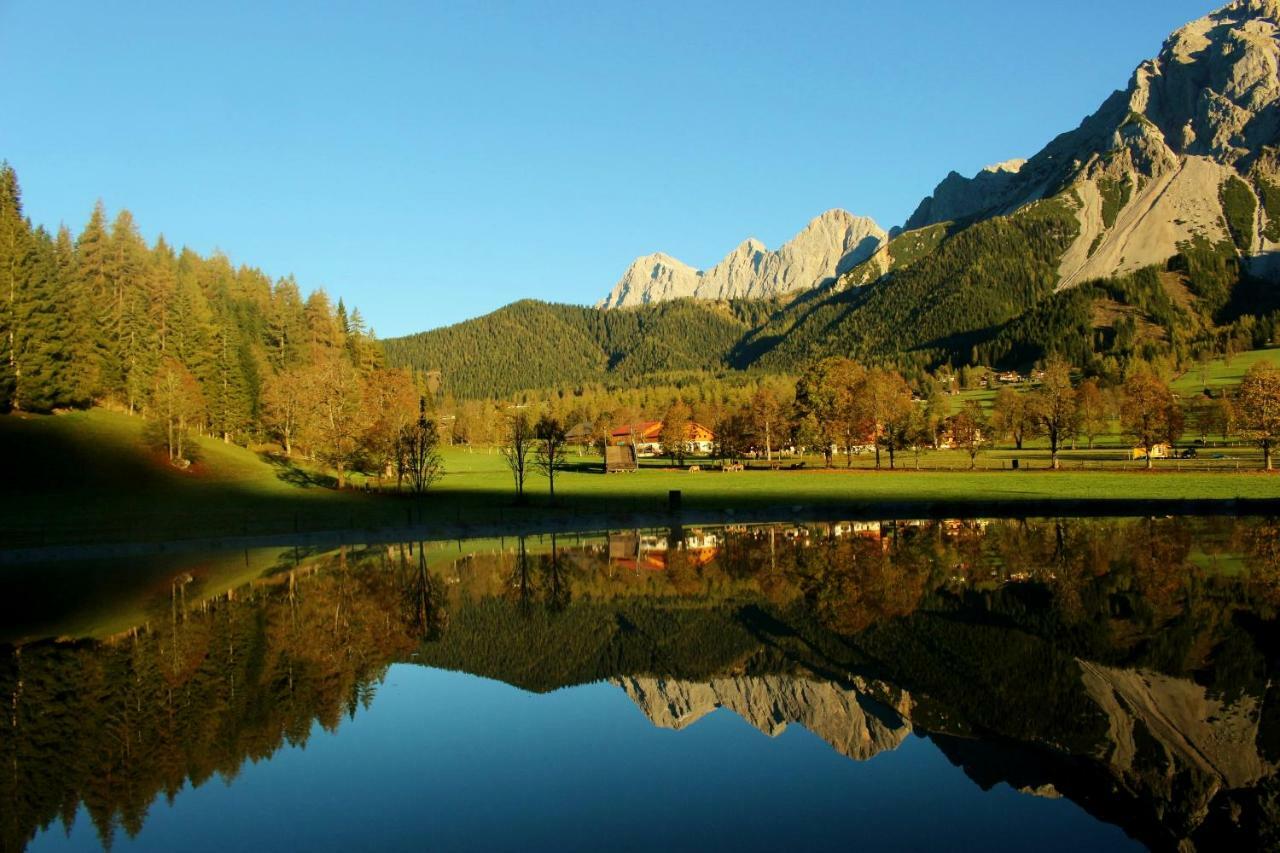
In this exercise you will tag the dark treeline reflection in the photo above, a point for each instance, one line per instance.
(1126, 664)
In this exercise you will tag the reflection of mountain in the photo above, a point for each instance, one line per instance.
(853, 723)
(1106, 661)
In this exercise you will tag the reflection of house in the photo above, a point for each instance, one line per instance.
(636, 550)
(1160, 451)
(647, 437)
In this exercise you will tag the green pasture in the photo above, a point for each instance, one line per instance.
(87, 477)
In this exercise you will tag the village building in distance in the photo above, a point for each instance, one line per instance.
(646, 436)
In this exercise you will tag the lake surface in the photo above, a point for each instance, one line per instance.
(1004, 685)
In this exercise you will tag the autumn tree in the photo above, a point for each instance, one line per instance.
(885, 403)
(1149, 413)
(550, 454)
(969, 430)
(1053, 407)
(390, 402)
(284, 405)
(766, 416)
(936, 411)
(1258, 408)
(1093, 412)
(517, 448)
(1011, 418)
(175, 399)
(731, 433)
(333, 409)
(823, 403)
(418, 452)
(677, 425)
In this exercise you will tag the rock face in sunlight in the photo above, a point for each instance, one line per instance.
(828, 246)
(1183, 154)
(854, 724)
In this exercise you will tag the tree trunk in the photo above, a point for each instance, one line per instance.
(1149, 452)
(1266, 456)
(877, 456)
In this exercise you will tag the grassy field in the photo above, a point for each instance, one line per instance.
(1221, 373)
(88, 477)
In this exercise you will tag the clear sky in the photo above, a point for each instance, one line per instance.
(430, 162)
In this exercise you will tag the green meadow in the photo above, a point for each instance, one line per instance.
(89, 477)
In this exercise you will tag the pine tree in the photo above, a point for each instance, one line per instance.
(46, 346)
(92, 248)
(13, 250)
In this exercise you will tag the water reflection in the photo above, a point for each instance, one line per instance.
(1125, 664)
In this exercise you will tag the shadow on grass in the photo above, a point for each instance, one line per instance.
(72, 492)
(290, 473)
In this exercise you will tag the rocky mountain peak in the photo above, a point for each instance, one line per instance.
(827, 246)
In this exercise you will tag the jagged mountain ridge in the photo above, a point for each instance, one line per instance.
(829, 245)
(849, 720)
(1146, 172)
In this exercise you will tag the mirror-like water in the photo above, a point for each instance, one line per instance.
(1003, 685)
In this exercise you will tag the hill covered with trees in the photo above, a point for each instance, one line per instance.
(192, 343)
(531, 344)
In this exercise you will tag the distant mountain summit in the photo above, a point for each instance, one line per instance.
(828, 246)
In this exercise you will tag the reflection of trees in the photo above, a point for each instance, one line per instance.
(990, 620)
(112, 724)
(558, 594)
(853, 583)
(422, 603)
(1260, 542)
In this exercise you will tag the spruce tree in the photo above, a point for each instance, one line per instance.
(46, 346)
(13, 250)
(92, 247)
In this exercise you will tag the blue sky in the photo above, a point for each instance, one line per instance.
(430, 162)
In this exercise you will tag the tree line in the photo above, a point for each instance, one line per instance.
(838, 406)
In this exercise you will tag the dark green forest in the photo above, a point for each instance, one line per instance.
(531, 344)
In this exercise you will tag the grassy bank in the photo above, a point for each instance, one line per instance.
(88, 477)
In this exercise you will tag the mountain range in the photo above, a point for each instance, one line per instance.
(1154, 223)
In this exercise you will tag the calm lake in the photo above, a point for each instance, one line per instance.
(1099, 684)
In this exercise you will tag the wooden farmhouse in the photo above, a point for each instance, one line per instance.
(646, 437)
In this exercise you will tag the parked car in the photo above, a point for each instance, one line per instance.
(1189, 453)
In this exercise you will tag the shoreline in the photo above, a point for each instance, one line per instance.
(556, 522)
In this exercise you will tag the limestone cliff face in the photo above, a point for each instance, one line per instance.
(854, 724)
(1146, 172)
(832, 243)
(1169, 739)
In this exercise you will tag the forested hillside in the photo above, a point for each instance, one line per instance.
(532, 344)
(193, 343)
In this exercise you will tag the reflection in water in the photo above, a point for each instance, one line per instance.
(1125, 664)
